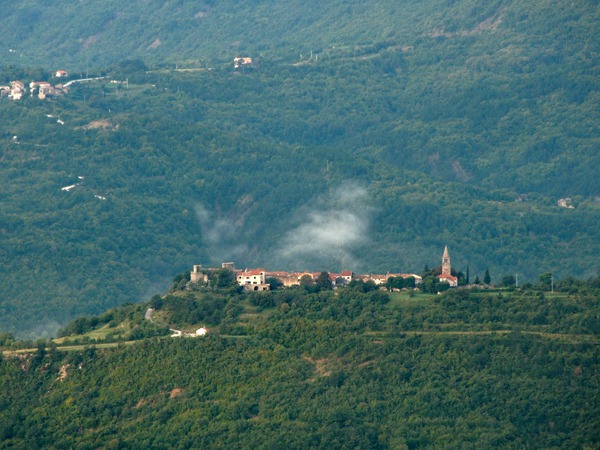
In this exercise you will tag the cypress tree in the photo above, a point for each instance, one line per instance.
(486, 277)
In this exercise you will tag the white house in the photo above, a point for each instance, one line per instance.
(239, 62)
(347, 275)
(253, 280)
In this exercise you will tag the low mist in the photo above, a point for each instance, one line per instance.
(220, 237)
(330, 229)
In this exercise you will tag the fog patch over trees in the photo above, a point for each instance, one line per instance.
(332, 228)
(220, 236)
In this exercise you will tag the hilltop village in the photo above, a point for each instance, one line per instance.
(256, 279)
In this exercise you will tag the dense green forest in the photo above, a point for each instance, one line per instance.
(363, 137)
(310, 368)
(207, 32)
(283, 167)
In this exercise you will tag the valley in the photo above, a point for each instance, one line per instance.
(216, 165)
(337, 152)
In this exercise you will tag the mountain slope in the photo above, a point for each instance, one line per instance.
(300, 369)
(409, 127)
(157, 31)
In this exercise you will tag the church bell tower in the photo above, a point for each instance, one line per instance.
(446, 268)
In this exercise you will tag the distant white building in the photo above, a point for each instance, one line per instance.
(17, 89)
(347, 275)
(565, 203)
(239, 62)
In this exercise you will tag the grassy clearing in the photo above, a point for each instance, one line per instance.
(494, 292)
(67, 348)
(556, 295)
(125, 89)
(407, 300)
(102, 333)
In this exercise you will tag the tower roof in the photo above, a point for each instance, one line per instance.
(446, 253)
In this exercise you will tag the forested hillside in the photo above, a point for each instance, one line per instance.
(364, 137)
(303, 368)
(522, 33)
